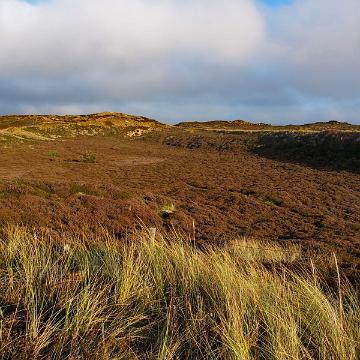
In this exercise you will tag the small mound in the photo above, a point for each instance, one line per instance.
(14, 128)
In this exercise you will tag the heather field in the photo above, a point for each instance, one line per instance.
(123, 238)
(222, 225)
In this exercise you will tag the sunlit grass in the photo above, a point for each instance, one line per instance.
(84, 298)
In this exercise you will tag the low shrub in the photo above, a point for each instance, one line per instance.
(89, 157)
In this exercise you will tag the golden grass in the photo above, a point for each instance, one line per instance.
(83, 298)
(24, 128)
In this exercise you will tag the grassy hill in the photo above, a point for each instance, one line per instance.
(242, 125)
(50, 127)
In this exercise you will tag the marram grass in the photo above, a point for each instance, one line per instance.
(103, 299)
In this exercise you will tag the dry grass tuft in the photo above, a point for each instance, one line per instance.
(82, 298)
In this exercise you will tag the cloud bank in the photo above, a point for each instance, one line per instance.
(182, 60)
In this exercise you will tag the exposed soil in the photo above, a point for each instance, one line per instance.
(215, 181)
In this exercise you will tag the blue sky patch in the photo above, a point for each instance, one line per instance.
(276, 2)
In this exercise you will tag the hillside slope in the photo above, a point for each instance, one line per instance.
(50, 127)
(112, 171)
(249, 126)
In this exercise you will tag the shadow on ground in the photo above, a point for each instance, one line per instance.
(324, 151)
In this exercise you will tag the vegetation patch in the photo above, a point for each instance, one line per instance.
(122, 195)
(266, 199)
(53, 155)
(158, 298)
(198, 186)
(89, 157)
(167, 212)
(324, 150)
(85, 189)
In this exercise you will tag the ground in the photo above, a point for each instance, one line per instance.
(219, 186)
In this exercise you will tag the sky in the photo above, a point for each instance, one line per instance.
(273, 61)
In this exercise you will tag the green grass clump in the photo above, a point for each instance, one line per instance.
(85, 298)
(53, 155)
(89, 157)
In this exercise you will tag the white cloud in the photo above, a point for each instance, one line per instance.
(86, 34)
(176, 59)
(317, 42)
